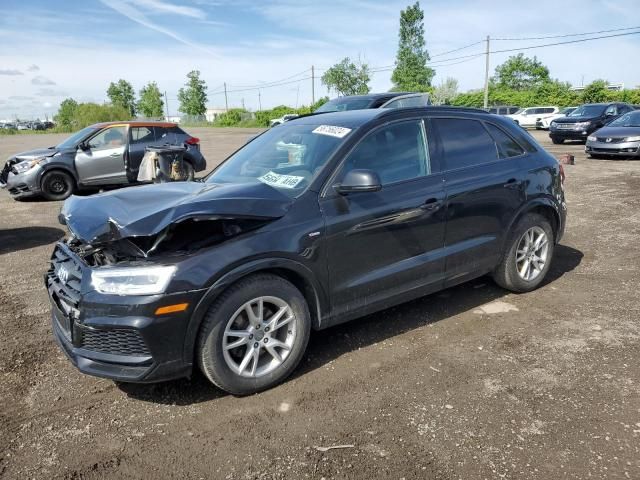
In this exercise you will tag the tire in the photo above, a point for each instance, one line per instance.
(557, 141)
(57, 185)
(508, 274)
(224, 367)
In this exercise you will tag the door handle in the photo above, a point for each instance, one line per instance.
(431, 204)
(513, 183)
(115, 155)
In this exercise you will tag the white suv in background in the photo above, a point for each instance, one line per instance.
(527, 117)
(544, 122)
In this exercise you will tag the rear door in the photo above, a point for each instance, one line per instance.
(388, 243)
(485, 187)
(103, 162)
(140, 137)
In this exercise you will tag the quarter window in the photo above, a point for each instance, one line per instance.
(396, 152)
(507, 146)
(465, 143)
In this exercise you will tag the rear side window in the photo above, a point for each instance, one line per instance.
(465, 143)
(142, 135)
(507, 146)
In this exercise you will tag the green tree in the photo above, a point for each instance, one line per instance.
(65, 115)
(444, 93)
(150, 104)
(347, 77)
(193, 98)
(411, 72)
(521, 73)
(121, 93)
(595, 92)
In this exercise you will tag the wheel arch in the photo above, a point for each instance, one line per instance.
(542, 206)
(46, 168)
(296, 273)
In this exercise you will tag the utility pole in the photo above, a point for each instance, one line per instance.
(313, 86)
(486, 77)
(243, 103)
(298, 95)
(226, 102)
(166, 104)
(259, 102)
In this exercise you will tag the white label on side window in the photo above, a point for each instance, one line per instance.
(283, 181)
(332, 131)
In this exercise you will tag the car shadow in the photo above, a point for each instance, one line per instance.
(327, 345)
(16, 239)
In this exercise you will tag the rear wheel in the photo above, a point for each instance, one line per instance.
(189, 172)
(255, 335)
(557, 141)
(57, 185)
(528, 257)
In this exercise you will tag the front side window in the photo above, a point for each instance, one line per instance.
(611, 110)
(464, 142)
(395, 152)
(112, 137)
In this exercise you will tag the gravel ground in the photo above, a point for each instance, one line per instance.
(470, 383)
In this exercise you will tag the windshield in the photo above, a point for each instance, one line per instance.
(74, 139)
(344, 103)
(588, 111)
(567, 111)
(287, 158)
(631, 119)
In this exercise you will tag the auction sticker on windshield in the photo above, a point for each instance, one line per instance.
(332, 131)
(278, 180)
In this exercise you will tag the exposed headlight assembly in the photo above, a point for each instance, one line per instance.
(26, 165)
(132, 280)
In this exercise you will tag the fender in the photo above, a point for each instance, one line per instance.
(543, 201)
(229, 278)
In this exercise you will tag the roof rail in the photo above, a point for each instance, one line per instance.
(436, 108)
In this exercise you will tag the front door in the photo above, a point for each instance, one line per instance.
(387, 244)
(485, 188)
(103, 160)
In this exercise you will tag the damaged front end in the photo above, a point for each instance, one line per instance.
(181, 238)
(171, 219)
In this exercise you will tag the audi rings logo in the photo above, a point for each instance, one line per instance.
(63, 274)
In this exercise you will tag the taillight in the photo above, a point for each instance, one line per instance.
(562, 175)
(193, 141)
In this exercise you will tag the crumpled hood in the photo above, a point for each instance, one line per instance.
(147, 210)
(37, 153)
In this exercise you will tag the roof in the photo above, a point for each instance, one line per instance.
(137, 123)
(355, 118)
(372, 96)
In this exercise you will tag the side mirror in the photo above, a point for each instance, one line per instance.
(83, 146)
(359, 181)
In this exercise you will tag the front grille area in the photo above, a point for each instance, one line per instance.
(65, 276)
(116, 341)
(613, 140)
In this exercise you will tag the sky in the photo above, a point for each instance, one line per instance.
(52, 50)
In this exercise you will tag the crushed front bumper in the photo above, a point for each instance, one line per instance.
(25, 184)
(112, 336)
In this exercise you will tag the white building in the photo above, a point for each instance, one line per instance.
(212, 113)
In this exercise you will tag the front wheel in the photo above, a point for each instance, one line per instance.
(254, 335)
(57, 185)
(528, 257)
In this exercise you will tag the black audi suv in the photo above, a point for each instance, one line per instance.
(319, 221)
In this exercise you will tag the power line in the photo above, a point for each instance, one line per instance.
(266, 84)
(262, 86)
(566, 35)
(456, 49)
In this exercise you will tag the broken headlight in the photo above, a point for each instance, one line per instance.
(26, 165)
(132, 280)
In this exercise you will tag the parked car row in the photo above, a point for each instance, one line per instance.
(30, 125)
